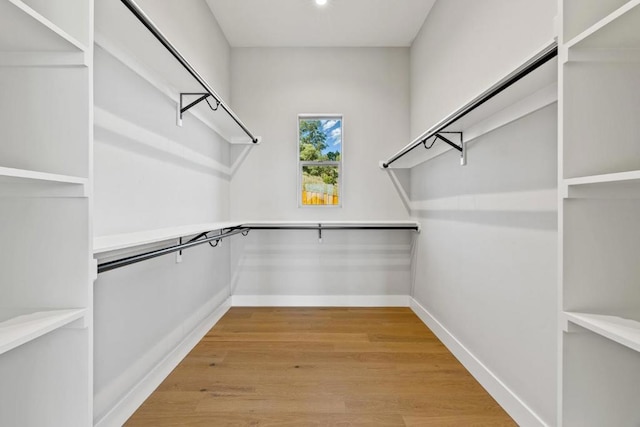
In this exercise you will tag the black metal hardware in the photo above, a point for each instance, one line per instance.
(146, 21)
(111, 265)
(533, 64)
(447, 140)
(244, 230)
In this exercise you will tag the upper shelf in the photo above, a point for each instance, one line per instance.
(127, 33)
(17, 329)
(25, 30)
(623, 331)
(618, 30)
(519, 93)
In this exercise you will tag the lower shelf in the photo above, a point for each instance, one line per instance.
(18, 328)
(623, 331)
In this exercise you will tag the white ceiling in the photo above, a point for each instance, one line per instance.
(300, 23)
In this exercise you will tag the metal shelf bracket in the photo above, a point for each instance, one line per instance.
(201, 97)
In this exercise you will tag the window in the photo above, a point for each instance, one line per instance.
(319, 160)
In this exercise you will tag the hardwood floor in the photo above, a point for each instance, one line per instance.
(320, 367)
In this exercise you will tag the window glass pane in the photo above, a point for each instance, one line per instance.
(321, 139)
(320, 185)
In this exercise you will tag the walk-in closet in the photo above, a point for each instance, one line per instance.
(319, 212)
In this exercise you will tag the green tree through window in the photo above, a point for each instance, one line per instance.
(320, 157)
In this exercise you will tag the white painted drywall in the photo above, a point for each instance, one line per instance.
(368, 86)
(466, 46)
(351, 268)
(489, 275)
(151, 174)
(140, 184)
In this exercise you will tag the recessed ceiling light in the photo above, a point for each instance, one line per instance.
(321, 2)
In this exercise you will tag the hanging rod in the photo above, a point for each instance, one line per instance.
(546, 54)
(146, 21)
(111, 265)
(321, 226)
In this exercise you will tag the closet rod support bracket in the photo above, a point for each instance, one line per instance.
(462, 147)
(182, 108)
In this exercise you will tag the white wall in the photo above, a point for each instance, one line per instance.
(270, 87)
(488, 275)
(349, 268)
(370, 87)
(151, 174)
(465, 46)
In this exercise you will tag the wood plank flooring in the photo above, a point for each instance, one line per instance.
(320, 367)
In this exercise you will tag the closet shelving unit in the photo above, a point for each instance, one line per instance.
(45, 176)
(599, 174)
(529, 87)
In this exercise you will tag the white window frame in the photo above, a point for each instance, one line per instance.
(301, 163)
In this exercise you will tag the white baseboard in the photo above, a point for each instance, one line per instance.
(130, 402)
(512, 404)
(320, 300)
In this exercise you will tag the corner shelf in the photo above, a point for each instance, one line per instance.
(25, 30)
(17, 329)
(623, 331)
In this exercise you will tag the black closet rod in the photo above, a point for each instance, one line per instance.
(541, 58)
(333, 227)
(111, 265)
(135, 9)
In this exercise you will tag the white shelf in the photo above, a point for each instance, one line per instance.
(623, 331)
(28, 183)
(25, 30)
(102, 244)
(115, 242)
(618, 30)
(19, 328)
(611, 185)
(11, 175)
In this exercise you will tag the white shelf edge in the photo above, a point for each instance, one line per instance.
(29, 175)
(44, 59)
(576, 187)
(108, 243)
(22, 329)
(621, 11)
(604, 178)
(623, 331)
(113, 242)
(30, 12)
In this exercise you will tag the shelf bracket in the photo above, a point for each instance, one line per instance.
(319, 233)
(462, 148)
(201, 97)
